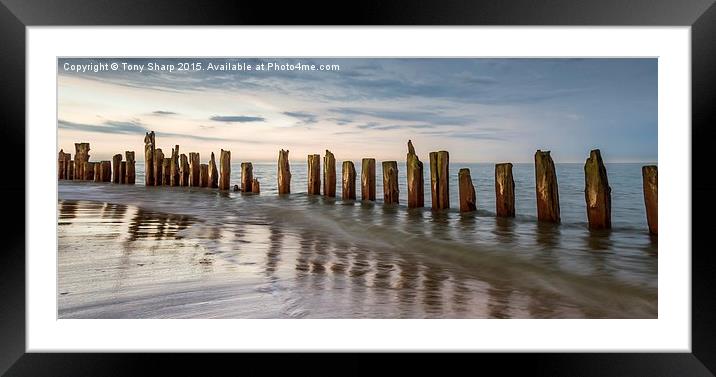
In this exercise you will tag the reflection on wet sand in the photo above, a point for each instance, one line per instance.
(289, 269)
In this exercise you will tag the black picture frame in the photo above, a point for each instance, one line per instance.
(16, 15)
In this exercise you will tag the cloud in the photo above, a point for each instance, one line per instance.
(108, 127)
(429, 117)
(382, 127)
(304, 117)
(162, 112)
(236, 118)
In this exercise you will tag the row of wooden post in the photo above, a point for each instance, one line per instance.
(177, 170)
(81, 168)
(597, 190)
(180, 170)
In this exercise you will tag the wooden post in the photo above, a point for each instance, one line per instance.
(468, 200)
(284, 173)
(255, 186)
(225, 167)
(116, 161)
(367, 179)
(597, 192)
(158, 163)
(106, 171)
(89, 171)
(98, 172)
(546, 187)
(349, 180)
(194, 169)
(62, 162)
(390, 182)
(204, 175)
(166, 171)
(416, 184)
(314, 174)
(81, 157)
(213, 173)
(650, 180)
(131, 171)
(149, 163)
(439, 179)
(329, 175)
(247, 176)
(504, 190)
(70, 170)
(174, 167)
(123, 172)
(183, 170)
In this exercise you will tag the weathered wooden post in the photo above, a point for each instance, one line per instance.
(98, 172)
(116, 161)
(329, 175)
(194, 166)
(367, 179)
(213, 173)
(349, 181)
(247, 176)
(225, 167)
(504, 190)
(166, 171)
(597, 192)
(81, 158)
(650, 179)
(174, 167)
(123, 172)
(70, 170)
(149, 163)
(255, 186)
(204, 175)
(183, 170)
(416, 194)
(390, 182)
(284, 173)
(439, 179)
(468, 200)
(62, 161)
(546, 187)
(89, 171)
(106, 171)
(131, 171)
(158, 163)
(314, 174)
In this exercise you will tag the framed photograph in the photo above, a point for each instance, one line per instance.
(490, 186)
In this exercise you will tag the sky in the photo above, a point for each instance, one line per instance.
(480, 110)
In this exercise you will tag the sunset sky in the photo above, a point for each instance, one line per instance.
(480, 110)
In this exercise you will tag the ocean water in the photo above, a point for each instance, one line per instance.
(175, 252)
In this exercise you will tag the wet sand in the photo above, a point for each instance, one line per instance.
(137, 252)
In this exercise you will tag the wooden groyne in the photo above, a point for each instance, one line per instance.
(194, 169)
(247, 176)
(439, 179)
(504, 190)
(650, 182)
(390, 182)
(314, 174)
(597, 192)
(546, 188)
(225, 169)
(349, 181)
(284, 173)
(178, 170)
(468, 200)
(416, 183)
(329, 175)
(367, 179)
